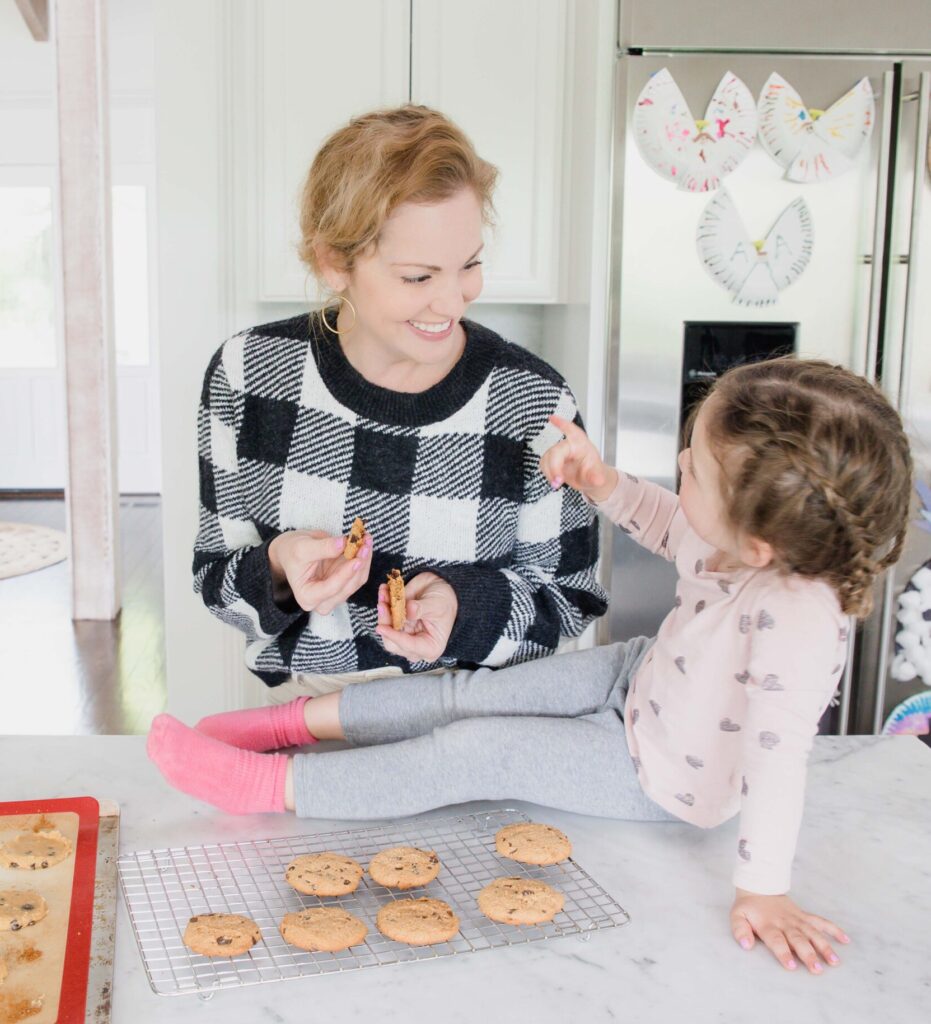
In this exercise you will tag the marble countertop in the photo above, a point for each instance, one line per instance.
(864, 860)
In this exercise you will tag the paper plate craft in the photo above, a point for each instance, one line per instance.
(695, 155)
(754, 271)
(910, 718)
(814, 145)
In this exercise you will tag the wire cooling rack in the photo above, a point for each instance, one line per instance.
(165, 888)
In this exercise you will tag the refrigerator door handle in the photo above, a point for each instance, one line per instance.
(914, 237)
(905, 362)
(879, 233)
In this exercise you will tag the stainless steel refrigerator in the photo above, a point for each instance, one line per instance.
(863, 298)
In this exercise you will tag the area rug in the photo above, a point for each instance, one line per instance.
(25, 548)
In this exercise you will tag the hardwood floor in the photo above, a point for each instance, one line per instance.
(59, 677)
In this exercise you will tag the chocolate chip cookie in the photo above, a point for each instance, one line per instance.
(355, 538)
(404, 867)
(520, 901)
(328, 929)
(323, 874)
(34, 850)
(221, 934)
(532, 843)
(397, 602)
(20, 908)
(420, 922)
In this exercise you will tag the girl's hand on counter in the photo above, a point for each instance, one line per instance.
(310, 565)
(788, 931)
(432, 607)
(575, 461)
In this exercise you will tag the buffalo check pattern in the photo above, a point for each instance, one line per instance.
(292, 437)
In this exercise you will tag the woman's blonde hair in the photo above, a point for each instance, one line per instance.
(378, 161)
(818, 466)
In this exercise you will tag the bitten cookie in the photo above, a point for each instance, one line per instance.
(327, 929)
(404, 867)
(396, 600)
(20, 908)
(355, 538)
(421, 922)
(34, 850)
(532, 843)
(221, 934)
(323, 874)
(520, 901)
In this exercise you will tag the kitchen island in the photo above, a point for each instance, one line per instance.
(864, 860)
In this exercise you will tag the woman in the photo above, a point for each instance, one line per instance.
(389, 406)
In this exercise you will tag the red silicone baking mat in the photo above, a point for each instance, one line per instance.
(72, 994)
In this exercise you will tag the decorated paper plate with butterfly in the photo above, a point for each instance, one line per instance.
(695, 154)
(754, 271)
(814, 145)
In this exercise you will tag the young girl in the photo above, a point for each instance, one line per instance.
(794, 496)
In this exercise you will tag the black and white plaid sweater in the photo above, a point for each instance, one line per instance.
(292, 437)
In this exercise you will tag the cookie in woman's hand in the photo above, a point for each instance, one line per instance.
(354, 539)
(397, 603)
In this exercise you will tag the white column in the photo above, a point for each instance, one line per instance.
(84, 147)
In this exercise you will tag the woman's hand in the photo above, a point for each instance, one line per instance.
(576, 462)
(311, 564)
(431, 613)
(786, 929)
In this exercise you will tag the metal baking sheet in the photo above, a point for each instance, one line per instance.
(163, 889)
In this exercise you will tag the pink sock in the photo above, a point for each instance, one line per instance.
(271, 728)
(237, 781)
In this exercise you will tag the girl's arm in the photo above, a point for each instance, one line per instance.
(647, 512)
(796, 658)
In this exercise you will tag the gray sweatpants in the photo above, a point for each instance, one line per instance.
(549, 731)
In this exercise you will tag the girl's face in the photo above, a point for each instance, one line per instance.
(701, 497)
(700, 491)
(411, 292)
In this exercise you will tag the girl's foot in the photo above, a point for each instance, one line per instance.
(271, 728)
(236, 781)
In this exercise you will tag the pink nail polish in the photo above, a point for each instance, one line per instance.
(817, 968)
(745, 943)
(791, 965)
(834, 958)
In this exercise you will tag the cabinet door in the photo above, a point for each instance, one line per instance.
(499, 71)
(320, 63)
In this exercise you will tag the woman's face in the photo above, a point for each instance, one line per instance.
(411, 292)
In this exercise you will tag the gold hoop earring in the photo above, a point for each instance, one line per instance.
(333, 330)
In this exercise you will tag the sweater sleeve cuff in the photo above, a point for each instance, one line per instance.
(484, 598)
(765, 883)
(256, 586)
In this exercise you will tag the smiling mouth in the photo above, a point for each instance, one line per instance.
(440, 328)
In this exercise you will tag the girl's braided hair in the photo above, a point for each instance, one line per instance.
(822, 473)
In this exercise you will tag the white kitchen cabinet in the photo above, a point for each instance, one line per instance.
(319, 63)
(496, 68)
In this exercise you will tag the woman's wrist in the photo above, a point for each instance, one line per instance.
(280, 586)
